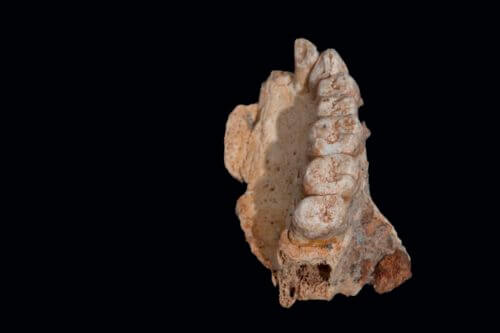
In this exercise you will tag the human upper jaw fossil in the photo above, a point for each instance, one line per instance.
(307, 212)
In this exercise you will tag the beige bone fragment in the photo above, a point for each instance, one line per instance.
(307, 212)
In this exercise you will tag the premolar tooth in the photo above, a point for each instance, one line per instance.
(341, 85)
(329, 64)
(332, 106)
(320, 216)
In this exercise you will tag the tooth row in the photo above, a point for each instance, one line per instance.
(332, 176)
(338, 130)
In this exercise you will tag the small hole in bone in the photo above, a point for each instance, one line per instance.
(324, 271)
(292, 291)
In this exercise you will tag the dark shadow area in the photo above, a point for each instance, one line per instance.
(279, 189)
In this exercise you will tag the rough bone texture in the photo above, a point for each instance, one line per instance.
(307, 212)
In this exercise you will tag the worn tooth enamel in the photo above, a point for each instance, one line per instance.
(306, 55)
(320, 216)
(329, 128)
(336, 174)
(324, 129)
(329, 64)
(348, 125)
(332, 106)
(336, 135)
(341, 85)
(345, 144)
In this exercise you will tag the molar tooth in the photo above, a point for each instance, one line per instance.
(329, 128)
(345, 144)
(336, 135)
(324, 128)
(320, 216)
(348, 125)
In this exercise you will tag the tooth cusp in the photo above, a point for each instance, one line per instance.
(337, 106)
(340, 85)
(336, 135)
(329, 64)
(335, 174)
(324, 129)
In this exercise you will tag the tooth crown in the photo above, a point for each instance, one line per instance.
(336, 174)
(329, 64)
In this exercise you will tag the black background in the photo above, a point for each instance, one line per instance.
(127, 128)
(419, 79)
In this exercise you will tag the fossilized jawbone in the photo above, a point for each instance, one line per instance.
(307, 212)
